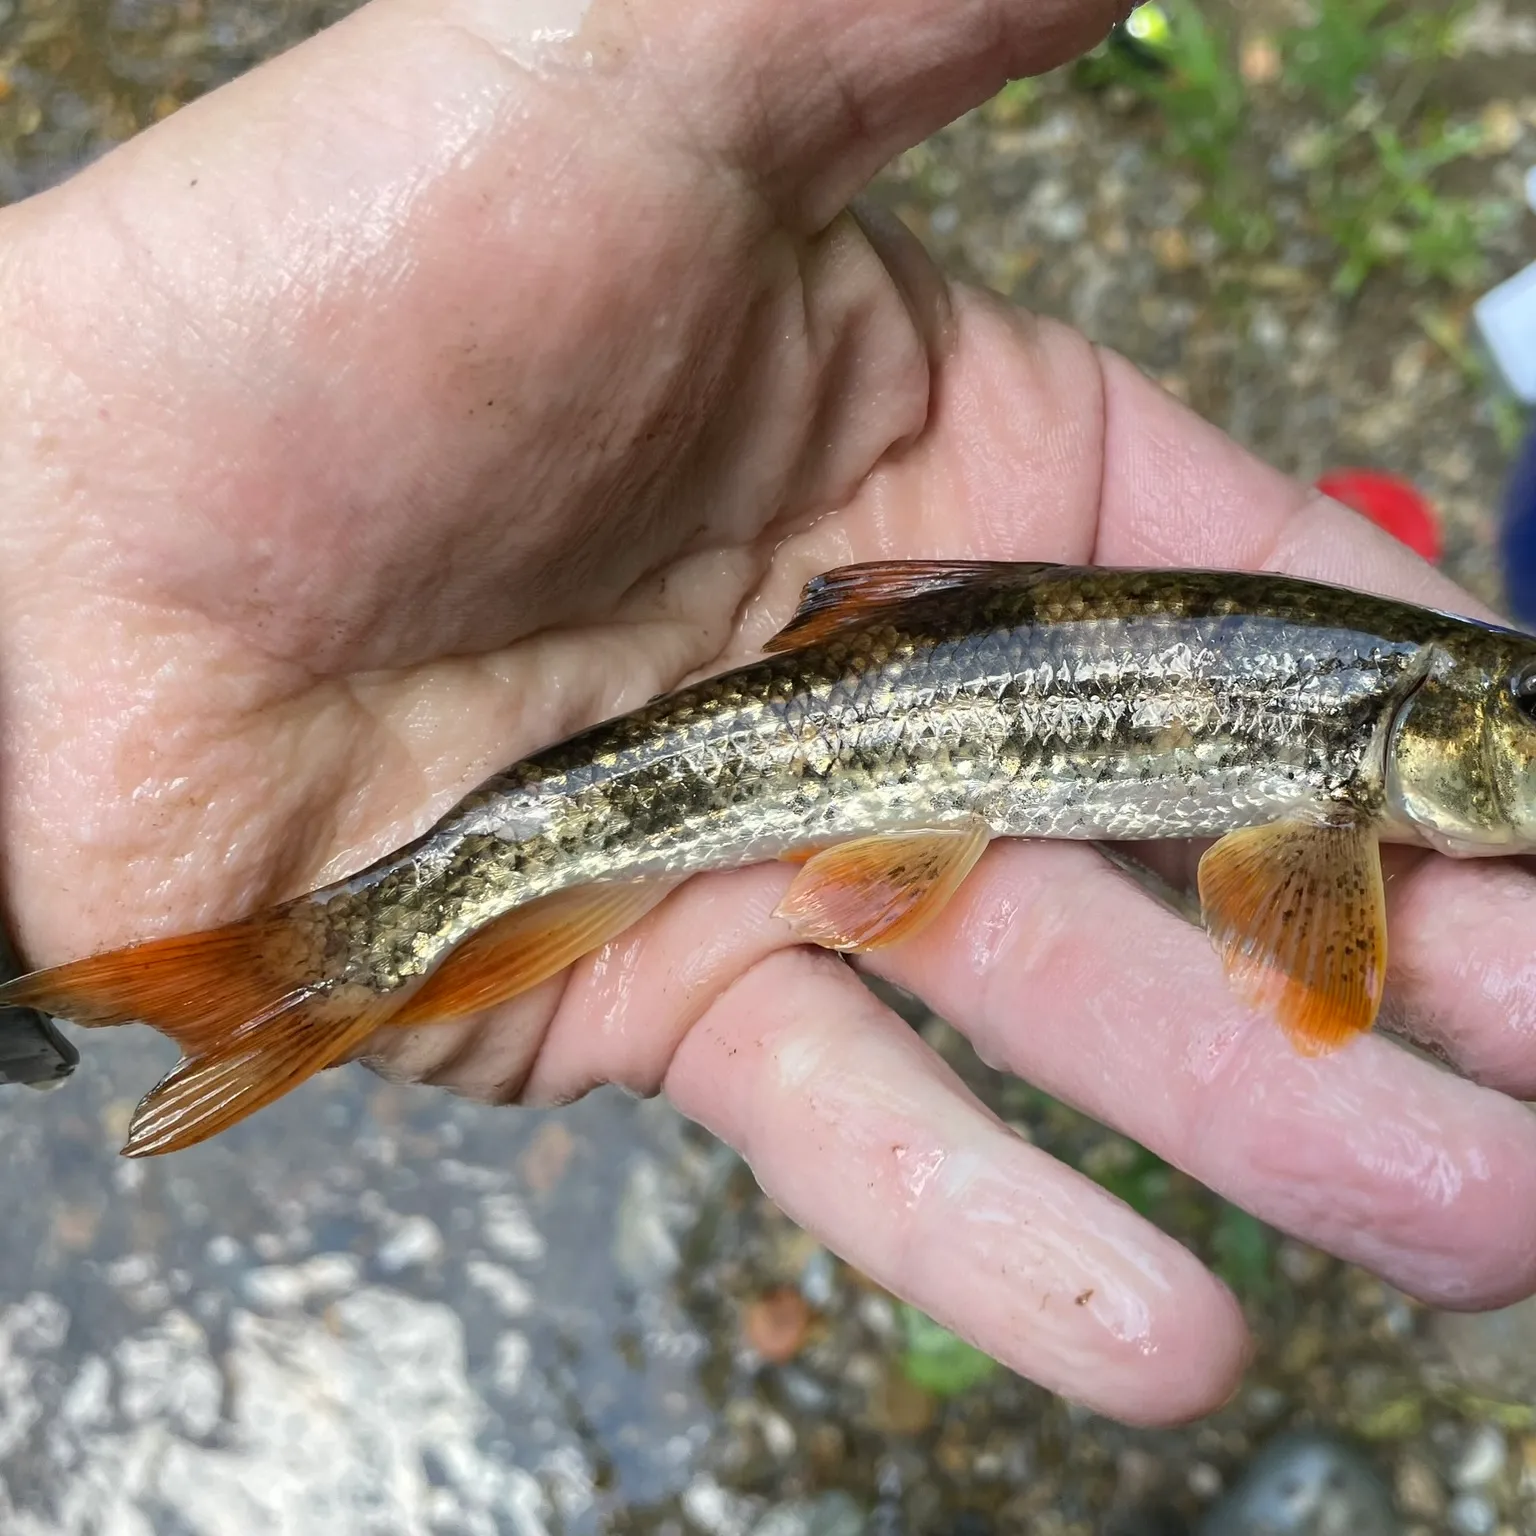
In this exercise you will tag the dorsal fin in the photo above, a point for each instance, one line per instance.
(851, 594)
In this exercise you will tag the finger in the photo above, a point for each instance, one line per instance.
(1060, 971)
(1464, 968)
(1009, 464)
(1177, 491)
(865, 1138)
(614, 1017)
(862, 1136)
(838, 89)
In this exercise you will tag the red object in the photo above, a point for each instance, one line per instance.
(1390, 503)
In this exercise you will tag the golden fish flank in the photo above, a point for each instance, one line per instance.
(909, 713)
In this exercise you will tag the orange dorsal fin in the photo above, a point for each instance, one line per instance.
(530, 944)
(243, 1002)
(1297, 911)
(852, 594)
(873, 891)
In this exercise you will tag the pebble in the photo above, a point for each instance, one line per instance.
(643, 1245)
(510, 1362)
(776, 1324)
(280, 1288)
(878, 1315)
(1493, 1352)
(1305, 1484)
(899, 1407)
(507, 1290)
(1204, 1481)
(1419, 1491)
(1301, 1264)
(508, 1230)
(818, 1279)
(415, 1243)
(945, 219)
(1483, 1459)
(712, 1509)
(1473, 1515)
(1137, 1475)
(1266, 1402)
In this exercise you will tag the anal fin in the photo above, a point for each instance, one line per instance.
(873, 891)
(530, 944)
(1297, 911)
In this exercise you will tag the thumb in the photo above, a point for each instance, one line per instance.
(812, 98)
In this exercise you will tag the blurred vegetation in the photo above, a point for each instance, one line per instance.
(1377, 173)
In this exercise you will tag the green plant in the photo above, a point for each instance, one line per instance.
(1243, 1249)
(937, 1360)
(1349, 41)
(1388, 211)
(1201, 94)
(1345, 42)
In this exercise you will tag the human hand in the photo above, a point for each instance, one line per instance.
(452, 382)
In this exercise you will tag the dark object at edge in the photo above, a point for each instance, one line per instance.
(32, 1051)
(1517, 537)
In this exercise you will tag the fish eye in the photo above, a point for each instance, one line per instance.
(1523, 686)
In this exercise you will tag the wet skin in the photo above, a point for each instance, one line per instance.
(386, 415)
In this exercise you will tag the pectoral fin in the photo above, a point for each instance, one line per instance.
(1297, 912)
(873, 891)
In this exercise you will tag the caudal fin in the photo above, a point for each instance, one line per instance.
(241, 1001)
(253, 1020)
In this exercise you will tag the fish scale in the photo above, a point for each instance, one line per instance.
(908, 714)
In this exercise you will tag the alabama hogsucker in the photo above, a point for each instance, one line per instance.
(909, 713)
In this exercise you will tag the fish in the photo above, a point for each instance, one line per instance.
(907, 715)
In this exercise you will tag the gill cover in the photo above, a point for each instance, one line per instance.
(1462, 754)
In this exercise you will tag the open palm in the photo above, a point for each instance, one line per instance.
(472, 373)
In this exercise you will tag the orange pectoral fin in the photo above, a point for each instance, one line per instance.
(530, 944)
(1298, 914)
(874, 891)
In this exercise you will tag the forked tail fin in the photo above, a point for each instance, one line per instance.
(243, 1002)
(248, 1005)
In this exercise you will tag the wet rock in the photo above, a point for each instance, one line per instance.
(818, 1279)
(1306, 1485)
(777, 1324)
(509, 1231)
(1492, 1352)
(715, 1510)
(1472, 1515)
(282, 1287)
(1420, 1493)
(644, 1248)
(1483, 1459)
(1204, 1481)
(414, 1243)
(833, 1514)
(167, 1374)
(547, 1156)
(1302, 1264)
(898, 1407)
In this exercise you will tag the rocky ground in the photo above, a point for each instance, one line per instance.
(445, 1319)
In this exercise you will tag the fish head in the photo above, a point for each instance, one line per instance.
(1461, 755)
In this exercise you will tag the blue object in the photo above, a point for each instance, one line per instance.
(1518, 538)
